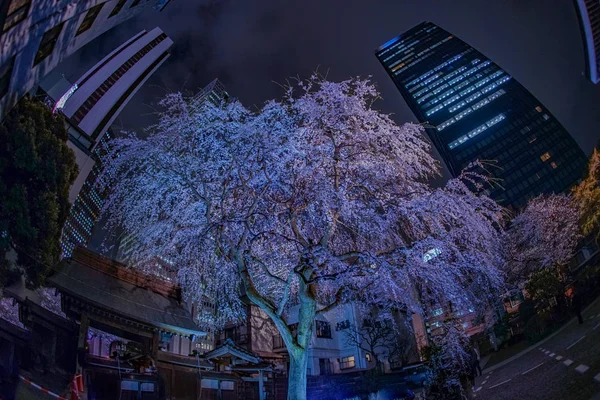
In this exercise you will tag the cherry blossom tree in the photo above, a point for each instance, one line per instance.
(543, 236)
(315, 200)
(587, 197)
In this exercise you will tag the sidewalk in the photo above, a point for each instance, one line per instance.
(536, 345)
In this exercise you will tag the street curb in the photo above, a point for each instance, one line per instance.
(527, 350)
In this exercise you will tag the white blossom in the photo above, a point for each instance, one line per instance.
(317, 199)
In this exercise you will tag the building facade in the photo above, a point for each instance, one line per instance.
(38, 34)
(588, 13)
(474, 110)
(90, 106)
(85, 210)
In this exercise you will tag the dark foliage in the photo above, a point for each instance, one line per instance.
(36, 171)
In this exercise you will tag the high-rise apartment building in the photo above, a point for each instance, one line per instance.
(588, 13)
(475, 110)
(90, 106)
(36, 35)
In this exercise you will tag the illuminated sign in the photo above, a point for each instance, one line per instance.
(63, 99)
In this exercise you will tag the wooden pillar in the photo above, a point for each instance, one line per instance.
(261, 389)
(81, 341)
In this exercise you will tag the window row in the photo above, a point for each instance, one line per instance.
(477, 131)
(113, 78)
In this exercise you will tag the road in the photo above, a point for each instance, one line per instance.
(565, 367)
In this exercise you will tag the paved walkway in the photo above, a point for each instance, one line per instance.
(565, 365)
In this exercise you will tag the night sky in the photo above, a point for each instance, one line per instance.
(251, 44)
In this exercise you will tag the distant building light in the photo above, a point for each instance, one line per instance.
(431, 254)
(63, 99)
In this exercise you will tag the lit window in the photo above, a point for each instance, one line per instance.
(538, 109)
(457, 106)
(431, 254)
(473, 97)
(463, 113)
(446, 124)
(451, 100)
(465, 325)
(347, 362)
(368, 357)
(323, 329)
(434, 110)
(545, 156)
(546, 117)
(480, 104)
(437, 312)
(554, 165)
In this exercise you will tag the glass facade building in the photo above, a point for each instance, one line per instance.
(474, 110)
(85, 211)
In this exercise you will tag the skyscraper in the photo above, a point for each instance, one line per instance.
(85, 211)
(90, 106)
(36, 35)
(475, 110)
(588, 13)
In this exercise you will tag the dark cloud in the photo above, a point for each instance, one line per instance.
(250, 44)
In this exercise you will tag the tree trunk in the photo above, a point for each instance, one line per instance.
(297, 375)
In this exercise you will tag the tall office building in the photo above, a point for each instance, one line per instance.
(214, 92)
(36, 35)
(475, 110)
(90, 106)
(85, 211)
(588, 13)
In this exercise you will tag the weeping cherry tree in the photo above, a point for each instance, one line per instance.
(543, 236)
(314, 201)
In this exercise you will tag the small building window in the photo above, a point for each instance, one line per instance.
(340, 326)
(323, 329)
(117, 8)
(545, 156)
(5, 75)
(554, 165)
(47, 44)
(347, 362)
(538, 109)
(368, 357)
(17, 12)
(89, 19)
